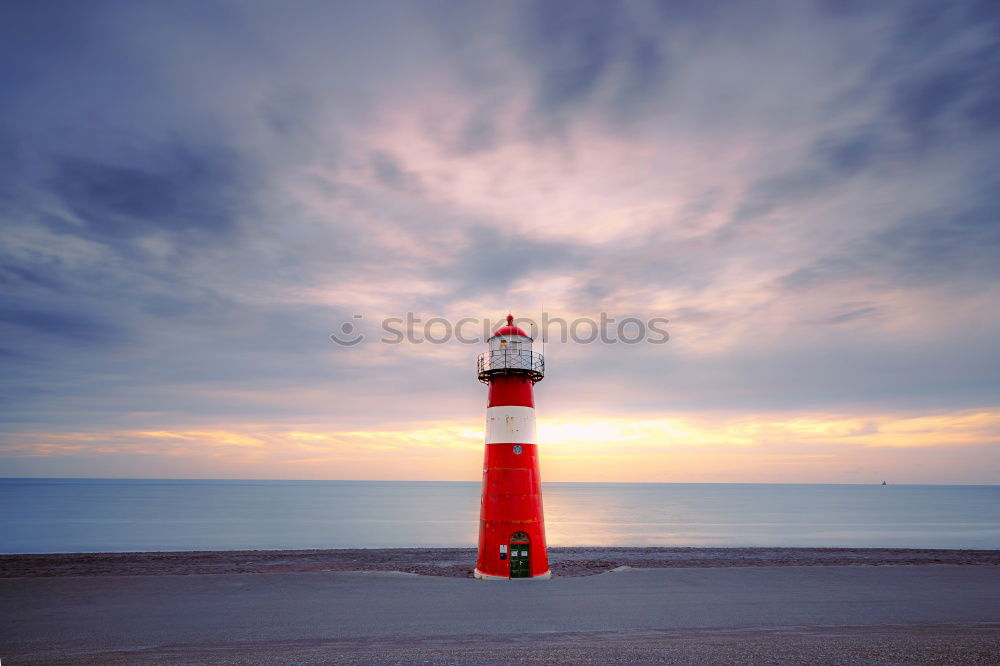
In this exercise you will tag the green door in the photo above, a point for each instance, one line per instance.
(520, 560)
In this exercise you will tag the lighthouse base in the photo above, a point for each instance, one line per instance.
(482, 576)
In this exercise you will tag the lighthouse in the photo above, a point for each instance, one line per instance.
(511, 525)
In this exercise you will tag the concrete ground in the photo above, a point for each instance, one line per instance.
(829, 614)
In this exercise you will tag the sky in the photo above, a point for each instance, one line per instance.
(194, 196)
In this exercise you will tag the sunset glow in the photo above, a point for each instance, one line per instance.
(722, 447)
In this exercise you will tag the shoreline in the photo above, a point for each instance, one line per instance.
(569, 562)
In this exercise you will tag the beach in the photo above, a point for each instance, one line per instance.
(458, 562)
(605, 605)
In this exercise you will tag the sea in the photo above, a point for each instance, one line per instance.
(121, 515)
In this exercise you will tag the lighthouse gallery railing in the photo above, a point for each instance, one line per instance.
(501, 361)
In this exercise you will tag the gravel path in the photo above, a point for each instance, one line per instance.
(930, 614)
(941, 646)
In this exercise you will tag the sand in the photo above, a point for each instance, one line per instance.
(774, 606)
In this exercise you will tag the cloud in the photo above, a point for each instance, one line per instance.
(194, 196)
(74, 326)
(954, 241)
(955, 81)
(572, 44)
(178, 192)
(492, 259)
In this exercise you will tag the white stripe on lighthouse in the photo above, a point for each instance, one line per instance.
(510, 424)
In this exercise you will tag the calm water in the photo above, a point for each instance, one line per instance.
(76, 515)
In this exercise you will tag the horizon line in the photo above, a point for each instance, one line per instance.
(688, 483)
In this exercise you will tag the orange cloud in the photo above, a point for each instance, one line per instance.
(698, 447)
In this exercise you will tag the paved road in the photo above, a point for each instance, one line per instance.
(52, 617)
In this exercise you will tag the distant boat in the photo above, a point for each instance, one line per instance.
(883, 483)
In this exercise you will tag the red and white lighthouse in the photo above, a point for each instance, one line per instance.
(511, 524)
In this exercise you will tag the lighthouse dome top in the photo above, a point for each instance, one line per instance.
(511, 354)
(510, 329)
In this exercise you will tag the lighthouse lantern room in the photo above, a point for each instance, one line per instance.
(511, 523)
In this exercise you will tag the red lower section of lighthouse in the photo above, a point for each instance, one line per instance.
(511, 526)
